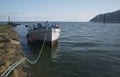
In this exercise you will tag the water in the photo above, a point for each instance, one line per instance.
(83, 50)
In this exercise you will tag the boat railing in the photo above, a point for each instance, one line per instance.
(40, 26)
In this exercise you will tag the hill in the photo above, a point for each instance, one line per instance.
(113, 17)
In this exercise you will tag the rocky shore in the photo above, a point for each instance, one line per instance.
(10, 51)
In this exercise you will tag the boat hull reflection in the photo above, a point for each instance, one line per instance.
(43, 68)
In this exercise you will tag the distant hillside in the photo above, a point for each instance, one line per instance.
(113, 17)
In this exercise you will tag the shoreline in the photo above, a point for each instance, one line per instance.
(11, 51)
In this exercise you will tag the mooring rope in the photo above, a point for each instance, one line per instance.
(35, 61)
(8, 71)
(18, 63)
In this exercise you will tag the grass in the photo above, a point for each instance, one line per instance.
(4, 40)
(4, 30)
(4, 27)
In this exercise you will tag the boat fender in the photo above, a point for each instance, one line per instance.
(31, 40)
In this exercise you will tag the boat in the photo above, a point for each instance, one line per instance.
(40, 32)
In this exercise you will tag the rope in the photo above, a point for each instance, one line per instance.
(8, 71)
(22, 60)
(35, 61)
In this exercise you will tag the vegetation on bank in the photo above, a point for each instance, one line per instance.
(10, 51)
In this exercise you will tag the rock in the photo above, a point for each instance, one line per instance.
(1, 46)
(14, 42)
(3, 39)
(2, 63)
(26, 68)
(6, 45)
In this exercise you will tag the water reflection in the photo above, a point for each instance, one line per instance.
(43, 68)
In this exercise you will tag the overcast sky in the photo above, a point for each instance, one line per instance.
(55, 10)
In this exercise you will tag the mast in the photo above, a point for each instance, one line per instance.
(37, 16)
(104, 19)
(9, 19)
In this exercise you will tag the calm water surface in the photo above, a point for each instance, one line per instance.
(83, 50)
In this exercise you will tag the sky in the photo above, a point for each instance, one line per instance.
(55, 10)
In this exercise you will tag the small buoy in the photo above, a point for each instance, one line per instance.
(26, 25)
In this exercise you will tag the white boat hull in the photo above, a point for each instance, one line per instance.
(52, 35)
